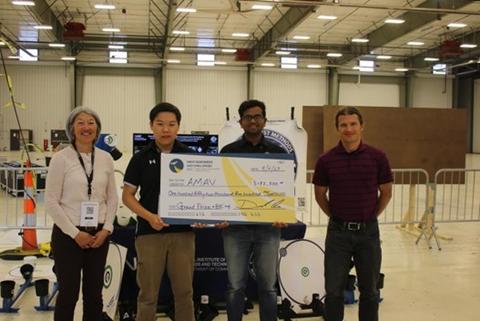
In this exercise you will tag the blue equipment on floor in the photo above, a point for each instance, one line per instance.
(41, 290)
(7, 289)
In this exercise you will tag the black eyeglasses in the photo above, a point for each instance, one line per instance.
(257, 118)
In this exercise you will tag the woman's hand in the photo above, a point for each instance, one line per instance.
(100, 238)
(84, 240)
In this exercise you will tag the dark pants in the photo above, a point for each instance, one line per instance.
(341, 246)
(70, 261)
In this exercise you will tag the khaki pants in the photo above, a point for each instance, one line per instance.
(174, 252)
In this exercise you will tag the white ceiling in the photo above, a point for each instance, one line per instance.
(143, 24)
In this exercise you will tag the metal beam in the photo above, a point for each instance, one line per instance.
(333, 86)
(44, 14)
(413, 21)
(291, 19)
(443, 7)
(472, 38)
(168, 25)
(250, 81)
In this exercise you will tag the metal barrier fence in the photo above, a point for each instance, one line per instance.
(454, 196)
(457, 195)
(408, 205)
(11, 197)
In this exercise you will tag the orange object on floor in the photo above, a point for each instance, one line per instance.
(29, 239)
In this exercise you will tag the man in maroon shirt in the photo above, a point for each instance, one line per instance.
(358, 179)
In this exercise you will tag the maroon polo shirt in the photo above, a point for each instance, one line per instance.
(353, 180)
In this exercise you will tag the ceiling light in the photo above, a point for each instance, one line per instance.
(206, 63)
(415, 43)
(468, 45)
(384, 57)
(313, 66)
(240, 34)
(456, 25)
(431, 59)
(177, 49)
(261, 7)
(401, 69)
(323, 17)
(395, 21)
(205, 60)
(56, 45)
(118, 60)
(23, 3)
(301, 37)
(180, 32)
(361, 40)
(206, 57)
(111, 29)
(68, 58)
(289, 62)
(334, 54)
(229, 50)
(365, 65)
(118, 55)
(13, 57)
(189, 10)
(28, 54)
(43, 27)
(220, 63)
(104, 6)
(364, 69)
(115, 47)
(282, 52)
(267, 64)
(439, 69)
(173, 61)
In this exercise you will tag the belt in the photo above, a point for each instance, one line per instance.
(89, 229)
(353, 226)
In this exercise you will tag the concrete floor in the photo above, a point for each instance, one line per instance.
(420, 283)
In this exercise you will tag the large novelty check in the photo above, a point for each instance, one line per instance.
(209, 189)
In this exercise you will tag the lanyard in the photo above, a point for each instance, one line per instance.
(89, 177)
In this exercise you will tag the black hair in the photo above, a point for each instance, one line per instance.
(247, 104)
(165, 107)
(348, 111)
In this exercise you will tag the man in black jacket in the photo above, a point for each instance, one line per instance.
(159, 246)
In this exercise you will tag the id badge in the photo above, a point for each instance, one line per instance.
(89, 214)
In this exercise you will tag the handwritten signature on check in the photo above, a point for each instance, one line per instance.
(252, 205)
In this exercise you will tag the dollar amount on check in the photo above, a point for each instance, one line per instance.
(209, 189)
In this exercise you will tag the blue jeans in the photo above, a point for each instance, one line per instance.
(261, 242)
(341, 246)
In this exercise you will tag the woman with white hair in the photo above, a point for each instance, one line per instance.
(81, 198)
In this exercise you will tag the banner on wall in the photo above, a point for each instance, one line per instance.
(287, 134)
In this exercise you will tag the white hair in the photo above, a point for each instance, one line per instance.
(73, 115)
